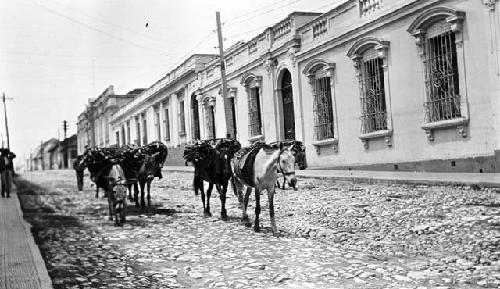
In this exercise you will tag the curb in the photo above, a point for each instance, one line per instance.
(373, 180)
(43, 275)
(376, 180)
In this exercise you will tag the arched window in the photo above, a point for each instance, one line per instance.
(252, 86)
(320, 76)
(370, 60)
(438, 34)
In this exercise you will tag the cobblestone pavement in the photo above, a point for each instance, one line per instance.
(333, 235)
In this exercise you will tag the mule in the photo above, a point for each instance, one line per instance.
(215, 168)
(150, 168)
(117, 194)
(257, 167)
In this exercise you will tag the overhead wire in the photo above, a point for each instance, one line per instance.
(115, 24)
(110, 35)
(260, 14)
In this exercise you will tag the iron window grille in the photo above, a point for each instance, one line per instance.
(323, 109)
(138, 132)
(182, 120)
(144, 130)
(166, 122)
(441, 74)
(157, 125)
(374, 111)
(254, 117)
(210, 120)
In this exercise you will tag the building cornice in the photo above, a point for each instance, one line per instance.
(366, 27)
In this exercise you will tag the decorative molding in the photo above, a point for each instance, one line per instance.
(256, 138)
(491, 4)
(268, 64)
(419, 26)
(459, 123)
(334, 142)
(386, 134)
(247, 79)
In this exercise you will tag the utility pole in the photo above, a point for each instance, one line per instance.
(6, 125)
(228, 108)
(65, 127)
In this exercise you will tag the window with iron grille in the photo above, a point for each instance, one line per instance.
(254, 120)
(322, 107)
(374, 111)
(182, 120)
(166, 122)
(137, 131)
(117, 138)
(441, 74)
(144, 130)
(128, 132)
(210, 119)
(157, 125)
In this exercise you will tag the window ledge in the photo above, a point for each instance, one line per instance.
(445, 123)
(256, 138)
(460, 123)
(326, 142)
(386, 134)
(376, 134)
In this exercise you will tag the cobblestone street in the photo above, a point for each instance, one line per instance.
(332, 235)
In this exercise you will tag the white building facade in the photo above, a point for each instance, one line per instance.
(393, 85)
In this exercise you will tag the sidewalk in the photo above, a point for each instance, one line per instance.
(393, 177)
(21, 265)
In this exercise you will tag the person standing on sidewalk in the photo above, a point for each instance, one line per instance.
(79, 169)
(6, 170)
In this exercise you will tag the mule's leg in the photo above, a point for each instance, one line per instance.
(142, 185)
(245, 218)
(256, 226)
(222, 196)
(116, 207)
(136, 194)
(207, 208)
(111, 209)
(148, 186)
(129, 188)
(198, 185)
(270, 197)
(123, 214)
(96, 191)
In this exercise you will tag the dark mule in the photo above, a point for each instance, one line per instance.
(6, 170)
(299, 151)
(155, 155)
(213, 165)
(257, 167)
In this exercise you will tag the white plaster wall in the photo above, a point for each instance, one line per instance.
(407, 95)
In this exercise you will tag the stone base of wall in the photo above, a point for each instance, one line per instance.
(174, 157)
(484, 164)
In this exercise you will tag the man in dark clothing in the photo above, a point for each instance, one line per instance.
(6, 170)
(79, 168)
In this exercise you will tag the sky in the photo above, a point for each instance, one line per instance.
(56, 54)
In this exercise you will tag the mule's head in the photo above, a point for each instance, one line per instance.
(286, 164)
(152, 166)
(117, 183)
(223, 162)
